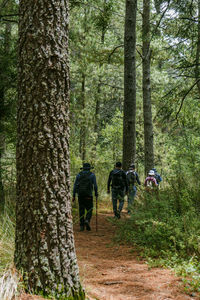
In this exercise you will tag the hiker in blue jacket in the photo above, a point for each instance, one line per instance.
(84, 185)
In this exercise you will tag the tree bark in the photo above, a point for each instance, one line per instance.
(148, 124)
(4, 79)
(198, 50)
(83, 119)
(129, 133)
(45, 249)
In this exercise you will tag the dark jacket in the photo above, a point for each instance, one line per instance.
(92, 178)
(124, 181)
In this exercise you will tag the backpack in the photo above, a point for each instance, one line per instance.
(158, 178)
(131, 178)
(84, 185)
(117, 179)
(150, 184)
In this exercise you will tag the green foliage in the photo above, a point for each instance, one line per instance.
(166, 227)
(7, 234)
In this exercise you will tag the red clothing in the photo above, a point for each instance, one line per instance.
(150, 181)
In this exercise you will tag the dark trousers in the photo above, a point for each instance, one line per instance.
(85, 204)
(117, 194)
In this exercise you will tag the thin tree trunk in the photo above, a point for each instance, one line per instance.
(129, 133)
(98, 100)
(83, 125)
(148, 124)
(44, 248)
(198, 50)
(7, 37)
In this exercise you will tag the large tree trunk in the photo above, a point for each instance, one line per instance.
(129, 133)
(44, 234)
(148, 124)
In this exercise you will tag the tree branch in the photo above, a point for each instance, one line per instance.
(162, 16)
(10, 15)
(185, 97)
(11, 21)
(109, 57)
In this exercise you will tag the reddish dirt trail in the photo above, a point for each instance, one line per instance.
(114, 272)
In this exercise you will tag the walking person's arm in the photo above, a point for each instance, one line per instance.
(109, 182)
(95, 185)
(75, 188)
(125, 182)
(137, 178)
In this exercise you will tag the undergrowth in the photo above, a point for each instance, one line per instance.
(165, 227)
(9, 279)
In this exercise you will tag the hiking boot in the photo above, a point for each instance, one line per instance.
(117, 215)
(87, 225)
(81, 228)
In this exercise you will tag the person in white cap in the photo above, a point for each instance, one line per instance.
(150, 181)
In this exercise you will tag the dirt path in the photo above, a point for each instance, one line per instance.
(114, 272)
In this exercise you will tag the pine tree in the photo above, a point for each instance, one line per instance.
(129, 133)
(148, 123)
(44, 235)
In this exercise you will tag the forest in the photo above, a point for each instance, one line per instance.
(97, 81)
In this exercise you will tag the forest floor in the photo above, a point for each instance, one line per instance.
(110, 271)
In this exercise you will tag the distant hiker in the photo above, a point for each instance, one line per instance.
(150, 181)
(157, 176)
(132, 179)
(117, 179)
(84, 185)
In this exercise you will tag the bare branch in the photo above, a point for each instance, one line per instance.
(162, 16)
(10, 15)
(185, 97)
(11, 21)
(119, 46)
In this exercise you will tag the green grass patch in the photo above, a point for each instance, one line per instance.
(166, 232)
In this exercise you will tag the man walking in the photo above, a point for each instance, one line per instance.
(117, 179)
(132, 179)
(84, 185)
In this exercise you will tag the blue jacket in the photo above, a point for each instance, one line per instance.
(92, 178)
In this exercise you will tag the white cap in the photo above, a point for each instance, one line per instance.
(151, 172)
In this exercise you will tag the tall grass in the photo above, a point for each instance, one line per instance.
(9, 279)
(165, 227)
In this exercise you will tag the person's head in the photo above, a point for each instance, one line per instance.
(86, 166)
(118, 165)
(151, 173)
(132, 167)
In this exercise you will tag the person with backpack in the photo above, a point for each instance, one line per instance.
(84, 185)
(150, 181)
(117, 180)
(132, 179)
(157, 176)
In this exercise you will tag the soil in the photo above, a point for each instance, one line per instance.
(116, 272)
